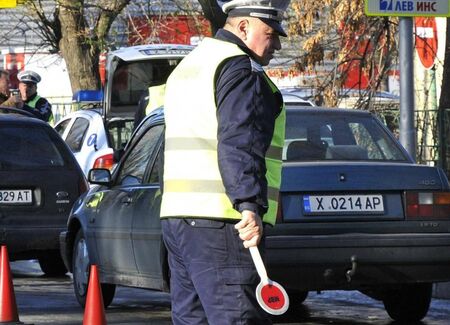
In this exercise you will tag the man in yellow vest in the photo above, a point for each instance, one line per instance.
(222, 166)
(29, 100)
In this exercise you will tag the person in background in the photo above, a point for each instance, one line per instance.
(6, 98)
(225, 125)
(29, 99)
(151, 99)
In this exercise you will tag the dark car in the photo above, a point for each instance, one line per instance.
(356, 213)
(39, 181)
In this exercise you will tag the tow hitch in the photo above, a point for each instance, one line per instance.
(350, 273)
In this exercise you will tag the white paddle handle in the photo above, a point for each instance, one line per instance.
(260, 268)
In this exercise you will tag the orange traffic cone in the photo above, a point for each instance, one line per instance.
(8, 306)
(94, 311)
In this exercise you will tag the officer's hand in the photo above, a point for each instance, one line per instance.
(250, 228)
(17, 100)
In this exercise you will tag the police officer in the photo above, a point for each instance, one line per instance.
(222, 166)
(29, 99)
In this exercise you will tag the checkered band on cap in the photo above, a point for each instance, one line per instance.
(28, 76)
(277, 5)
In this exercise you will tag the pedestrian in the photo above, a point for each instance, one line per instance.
(29, 100)
(6, 98)
(222, 166)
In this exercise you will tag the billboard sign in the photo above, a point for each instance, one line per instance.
(407, 8)
(8, 3)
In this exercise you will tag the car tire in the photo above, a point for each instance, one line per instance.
(81, 267)
(409, 302)
(297, 297)
(52, 264)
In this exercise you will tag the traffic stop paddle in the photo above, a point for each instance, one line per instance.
(271, 295)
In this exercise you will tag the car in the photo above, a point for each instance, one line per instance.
(39, 181)
(356, 213)
(99, 129)
(92, 140)
(296, 97)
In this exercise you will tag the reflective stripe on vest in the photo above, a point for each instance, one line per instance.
(192, 182)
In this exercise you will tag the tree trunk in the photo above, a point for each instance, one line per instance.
(80, 45)
(81, 58)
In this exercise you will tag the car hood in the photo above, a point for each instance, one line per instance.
(335, 176)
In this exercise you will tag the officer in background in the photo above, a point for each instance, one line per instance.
(29, 99)
(151, 99)
(224, 136)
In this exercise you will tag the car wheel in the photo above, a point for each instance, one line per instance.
(81, 267)
(410, 302)
(297, 297)
(52, 264)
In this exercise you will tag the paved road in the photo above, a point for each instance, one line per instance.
(44, 300)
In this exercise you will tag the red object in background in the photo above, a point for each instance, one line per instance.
(171, 29)
(14, 62)
(102, 67)
(426, 40)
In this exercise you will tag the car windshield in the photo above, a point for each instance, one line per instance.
(132, 79)
(30, 147)
(317, 136)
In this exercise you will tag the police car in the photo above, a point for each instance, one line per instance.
(98, 132)
(91, 140)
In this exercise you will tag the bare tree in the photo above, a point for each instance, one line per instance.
(81, 42)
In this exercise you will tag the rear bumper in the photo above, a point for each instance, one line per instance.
(322, 262)
(25, 243)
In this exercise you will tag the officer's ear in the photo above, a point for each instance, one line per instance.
(242, 28)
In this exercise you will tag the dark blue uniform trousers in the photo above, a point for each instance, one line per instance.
(212, 275)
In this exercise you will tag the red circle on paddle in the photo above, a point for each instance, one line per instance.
(273, 296)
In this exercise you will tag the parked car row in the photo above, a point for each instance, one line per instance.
(356, 213)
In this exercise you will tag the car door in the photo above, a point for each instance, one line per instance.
(113, 222)
(146, 234)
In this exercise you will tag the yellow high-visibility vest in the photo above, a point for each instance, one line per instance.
(193, 185)
(155, 97)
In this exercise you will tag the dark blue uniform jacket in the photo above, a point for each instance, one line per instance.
(247, 109)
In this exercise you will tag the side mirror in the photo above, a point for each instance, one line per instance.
(99, 176)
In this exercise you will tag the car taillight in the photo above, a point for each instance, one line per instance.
(428, 205)
(106, 161)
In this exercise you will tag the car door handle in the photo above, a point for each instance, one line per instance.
(126, 200)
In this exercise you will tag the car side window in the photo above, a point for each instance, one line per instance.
(77, 133)
(155, 176)
(61, 127)
(134, 166)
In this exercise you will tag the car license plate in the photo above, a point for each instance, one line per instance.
(343, 203)
(15, 197)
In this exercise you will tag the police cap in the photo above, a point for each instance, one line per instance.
(269, 11)
(29, 76)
